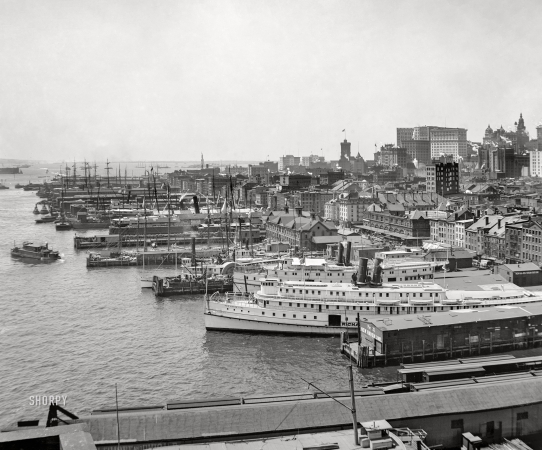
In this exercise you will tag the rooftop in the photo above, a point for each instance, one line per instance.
(456, 317)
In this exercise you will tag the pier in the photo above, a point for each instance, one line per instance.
(393, 340)
(515, 404)
(153, 258)
(112, 240)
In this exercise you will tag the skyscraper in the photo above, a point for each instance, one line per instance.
(448, 141)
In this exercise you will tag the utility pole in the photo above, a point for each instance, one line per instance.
(352, 408)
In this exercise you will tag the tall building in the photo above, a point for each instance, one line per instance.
(516, 139)
(442, 178)
(417, 142)
(419, 150)
(288, 160)
(539, 137)
(390, 156)
(311, 159)
(344, 161)
(404, 134)
(535, 163)
(448, 141)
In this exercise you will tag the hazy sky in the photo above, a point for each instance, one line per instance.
(166, 80)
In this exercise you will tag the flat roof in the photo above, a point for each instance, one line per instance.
(473, 281)
(455, 317)
(282, 416)
(521, 267)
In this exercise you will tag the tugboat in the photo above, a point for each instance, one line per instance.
(35, 251)
(36, 210)
(47, 219)
(44, 209)
(63, 224)
(2, 185)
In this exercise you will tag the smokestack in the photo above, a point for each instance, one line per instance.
(196, 204)
(239, 219)
(348, 251)
(377, 271)
(362, 270)
(341, 252)
(193, 244)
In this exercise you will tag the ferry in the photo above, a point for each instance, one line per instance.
(325, 308)
(35, 251)
(318, 269)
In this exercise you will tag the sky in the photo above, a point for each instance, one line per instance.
(251, 80)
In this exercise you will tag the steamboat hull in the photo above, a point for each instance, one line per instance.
(34, 255)
(215, 322)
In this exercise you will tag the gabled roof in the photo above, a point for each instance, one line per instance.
(481, 222)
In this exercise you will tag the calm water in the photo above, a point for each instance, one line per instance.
(67, 330)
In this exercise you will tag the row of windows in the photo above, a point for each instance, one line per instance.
(412, 294)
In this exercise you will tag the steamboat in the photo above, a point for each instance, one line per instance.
(328, 308)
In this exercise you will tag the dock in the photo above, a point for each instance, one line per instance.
(514, 404)
(410, 338)
(154, 258)
(112, 240)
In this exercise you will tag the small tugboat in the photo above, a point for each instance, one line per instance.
(62, 225)
(35, 251)
(36, 210)
(44, 209)
(47, 219)
(2, 185)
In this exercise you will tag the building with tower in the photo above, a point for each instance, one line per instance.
(516, 139)
(539, 137)
(344, 161)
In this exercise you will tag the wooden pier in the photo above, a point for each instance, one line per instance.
(155, 258)
(393, 340)
(112, 241)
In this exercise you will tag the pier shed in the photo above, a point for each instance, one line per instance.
(526, 274)
(457, 333)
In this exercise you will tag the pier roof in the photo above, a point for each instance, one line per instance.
(244, 420)
(455, 317)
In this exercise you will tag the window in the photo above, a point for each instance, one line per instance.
(304, 317)
(284, 315)
(523, 415)
(295, 316)
(315, 317)
(289, 304)
(273, 314)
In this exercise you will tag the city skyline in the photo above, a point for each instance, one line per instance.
(164, 81)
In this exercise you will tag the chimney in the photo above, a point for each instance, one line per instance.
(487, 220)
(499, 222)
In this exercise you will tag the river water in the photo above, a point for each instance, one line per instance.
(71, 331)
